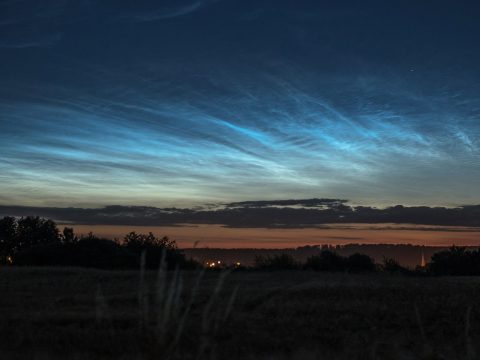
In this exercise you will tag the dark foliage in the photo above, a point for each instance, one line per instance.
(8, 230)
(276, 262)
(33, 231)
(34, 241)
(68, 235)
(392, 266)
(330, 261)
(38, 242)
(455, 261)
(326, 260)
(359, 263)
(154, 249)
(88, 252)
(17, 235)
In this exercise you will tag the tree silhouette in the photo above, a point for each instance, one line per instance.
(35, 231)
(142, 241)
(8, 230)
(17, 235)
(155, 248)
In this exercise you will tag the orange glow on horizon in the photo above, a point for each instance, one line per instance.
(217, 236)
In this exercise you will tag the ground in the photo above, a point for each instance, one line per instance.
(51, 313)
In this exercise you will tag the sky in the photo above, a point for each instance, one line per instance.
(187, 102)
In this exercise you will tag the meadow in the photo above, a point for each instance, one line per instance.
(72, 313)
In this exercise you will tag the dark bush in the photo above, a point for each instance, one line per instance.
(102, 253)
(392, 266)
(455, 261)
(68, 235)
(88, 252)
(154, 249)
(277, 262)
(55, 254)
(358, 263)
(326, 260)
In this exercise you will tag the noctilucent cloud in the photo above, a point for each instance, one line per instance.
(186, 102)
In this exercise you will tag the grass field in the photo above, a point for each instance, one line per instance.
(48, 313)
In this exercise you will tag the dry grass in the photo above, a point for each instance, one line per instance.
(89, 314)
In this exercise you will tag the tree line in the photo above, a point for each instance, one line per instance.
(455, 261)
(35, 241)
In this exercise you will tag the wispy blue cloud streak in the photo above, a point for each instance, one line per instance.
(163, 120)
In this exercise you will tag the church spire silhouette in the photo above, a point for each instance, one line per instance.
(422, 261)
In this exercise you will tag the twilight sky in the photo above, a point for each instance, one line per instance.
(185, 102)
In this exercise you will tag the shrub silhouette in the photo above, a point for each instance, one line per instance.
(277, 262)
(326, 260)
(330, 261)
(154, 248)
(101, 253)
(455, 261)
(68, 235)
(357, 263)
(392, 266)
